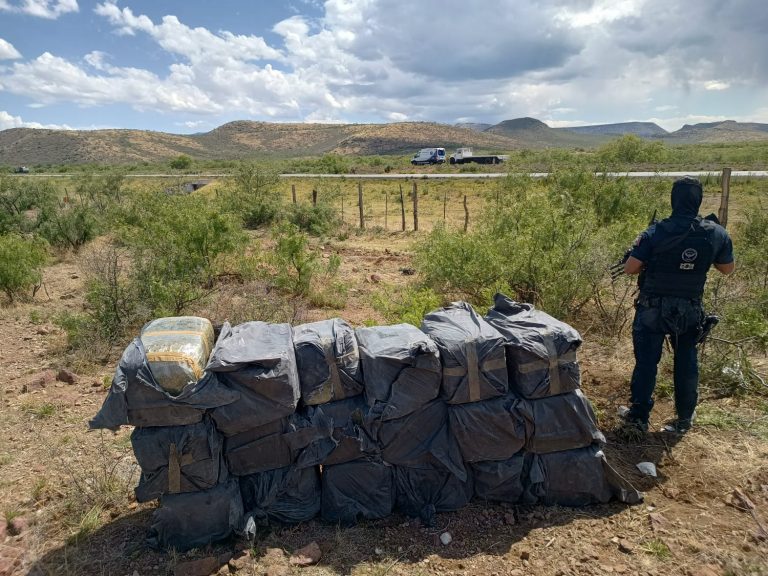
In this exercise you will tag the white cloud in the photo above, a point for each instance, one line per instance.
(601, 12)
(7, 51)
(48, 9)
(7, 121)
(716, 85)
(367, 61)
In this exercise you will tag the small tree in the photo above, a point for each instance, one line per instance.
(181, 162)
(21, 264)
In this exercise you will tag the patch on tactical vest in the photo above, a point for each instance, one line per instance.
(686, 266)
(689, 255)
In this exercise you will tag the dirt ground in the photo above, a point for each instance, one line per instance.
(66, 493)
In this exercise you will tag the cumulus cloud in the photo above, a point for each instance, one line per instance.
(365, 60)
(8, 121)
(7, 51)
(48, 9)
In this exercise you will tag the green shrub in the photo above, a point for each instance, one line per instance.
(174, 244)
(298, 270)
(181, 162)
(21, 264)
(253, 195)
(70, 226)
(409, 305)
(317, 220)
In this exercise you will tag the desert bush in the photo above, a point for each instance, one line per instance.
(545, 242)
(69, 225)
(252, 195)
(111, 295)
(17, 196)
(181, 162)
(318, 220)
(298, 270)
(408, 305)
(174, 244)
(21, 263)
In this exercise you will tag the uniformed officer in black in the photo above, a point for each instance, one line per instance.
(673, 258)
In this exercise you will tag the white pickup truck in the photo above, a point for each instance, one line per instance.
(465, 156)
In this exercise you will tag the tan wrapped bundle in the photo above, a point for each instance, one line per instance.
(177, 350)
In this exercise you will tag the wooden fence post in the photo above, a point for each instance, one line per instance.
(293, 193)
(466, 214)
(726, 185)
(342, 207)
(386, 208)
(360, 204)
(445, 203)
(402, 207)
(415, 208)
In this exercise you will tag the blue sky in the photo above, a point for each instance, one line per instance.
(190, 66)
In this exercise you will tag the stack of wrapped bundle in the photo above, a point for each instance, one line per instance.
(408, 420)
(162, 388)
(475, 384)
(265, 438)
(565, 463)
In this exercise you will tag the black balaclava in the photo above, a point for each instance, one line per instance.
(687, 194)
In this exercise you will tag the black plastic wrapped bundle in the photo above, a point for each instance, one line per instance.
(422, 434)
(503, 480)
(350, 442)
(287, 495)
(136, 398)
(196, 519)
(578, 478)
(362, 489)
(427, 487)
(175, 459)
(487, 430)
(471, 353)
(256, 360)
(540, 350)
(328, 361)
(559, 423)
(401, 366)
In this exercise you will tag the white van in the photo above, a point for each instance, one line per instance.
(429, 156)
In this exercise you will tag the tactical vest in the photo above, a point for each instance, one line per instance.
(679, 264)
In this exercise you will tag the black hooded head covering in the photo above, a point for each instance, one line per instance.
(687, 194)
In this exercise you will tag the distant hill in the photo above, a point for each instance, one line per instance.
(536, 134)
(719, 132)
(478, 127)
(247, 139)
(237, 140)
(643, 129)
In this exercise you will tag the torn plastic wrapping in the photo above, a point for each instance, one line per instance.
(540, 350)
(471, 353)
(401, 366)
(136, 398)
(578, 478)
(255, 359)
(177, 459)
(487, 430)
(350, 442)
(196, 519)
(559, 423)
(355, 490)
(177, 350)
(427, 487)
(422, 434)
(503, 480)
(328, 361)
(287, 495)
